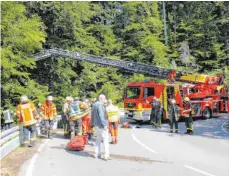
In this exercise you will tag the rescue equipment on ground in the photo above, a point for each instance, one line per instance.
(78, 143)
(126, 125)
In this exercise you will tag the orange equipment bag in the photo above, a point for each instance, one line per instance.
(78, 143)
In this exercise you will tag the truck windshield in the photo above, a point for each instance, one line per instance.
(133, 92)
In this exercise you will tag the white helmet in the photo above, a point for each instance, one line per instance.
(49, 98)
(71, 99)
(24, 98)
(173, 101)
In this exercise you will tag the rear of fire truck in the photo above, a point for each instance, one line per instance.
(208, 94)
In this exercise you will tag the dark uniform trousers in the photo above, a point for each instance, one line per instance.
(66, 124)
(189, 123)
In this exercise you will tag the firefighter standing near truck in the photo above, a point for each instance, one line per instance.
(113, 119)
(48, 112)
(187, 113)
(173, 115)
(158, 112)
(153, 112)
(26, 112)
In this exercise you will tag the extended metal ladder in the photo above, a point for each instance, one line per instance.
(126, 65)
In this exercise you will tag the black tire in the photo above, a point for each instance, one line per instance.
(207, 113)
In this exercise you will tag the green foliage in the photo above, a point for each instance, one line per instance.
(21, 36)
(197, 33)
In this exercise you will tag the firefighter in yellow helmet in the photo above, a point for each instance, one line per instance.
(187, 113)
(113, 119)
(26, 112)
(48, 112)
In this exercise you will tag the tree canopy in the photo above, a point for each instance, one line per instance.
(198, 40)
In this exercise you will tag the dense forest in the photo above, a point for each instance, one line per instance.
(190, 36)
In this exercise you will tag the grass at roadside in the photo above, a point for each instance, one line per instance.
(11, 164)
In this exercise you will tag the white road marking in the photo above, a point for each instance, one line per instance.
(139, 142)
(143, 145)
(31, 165)
(151, 150)
(223, 128)
(29, 172)
(197, 170)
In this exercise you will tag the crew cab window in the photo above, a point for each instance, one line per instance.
(133, 92)
(148, 91)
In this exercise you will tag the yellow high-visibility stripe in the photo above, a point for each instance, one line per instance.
(134, 109)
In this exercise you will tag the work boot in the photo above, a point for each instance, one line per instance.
(187, 132)
(50, 136)
(107, 158)
(25, 145)
(116, 140)
(31, 144)
(112, 142)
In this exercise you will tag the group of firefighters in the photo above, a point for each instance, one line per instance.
(173, 114)
(76, 117)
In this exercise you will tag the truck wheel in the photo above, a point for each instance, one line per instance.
(207, 113)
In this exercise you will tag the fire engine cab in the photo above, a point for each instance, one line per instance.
(138, 95)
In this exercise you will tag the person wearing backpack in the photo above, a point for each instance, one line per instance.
(75, 121)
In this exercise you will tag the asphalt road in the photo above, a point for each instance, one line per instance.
(141, 151)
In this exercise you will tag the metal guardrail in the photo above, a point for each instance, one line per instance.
(10, 140)
(13, 138)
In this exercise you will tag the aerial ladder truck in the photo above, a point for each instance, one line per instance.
(208, 94)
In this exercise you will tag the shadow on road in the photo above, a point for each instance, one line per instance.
(210, 128)
(90, 154)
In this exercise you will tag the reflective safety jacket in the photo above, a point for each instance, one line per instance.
(173, 111)
(8, 116)
(27, 114)
(113, 113)
(48, 111)
(188, 109)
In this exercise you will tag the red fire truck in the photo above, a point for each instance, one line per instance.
(208, 94)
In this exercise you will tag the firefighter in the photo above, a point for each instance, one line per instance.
(26, 112)
(48, 112)
(75, 123)
(113, 119)
(65, 117)
(173, 115)
(39, 123)
(153, 112)
(187, 113)
(158, 113)
(8, 117)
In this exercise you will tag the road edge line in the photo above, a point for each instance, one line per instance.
(140, 143)
(223, 127)
(29, 172)
(198, 170)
